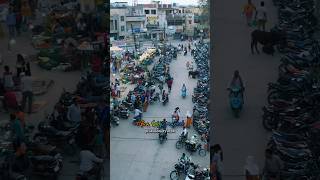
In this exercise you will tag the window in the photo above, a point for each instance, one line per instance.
(122, 28)
(122, 18)
(115, 24)
(153, 11)
(147, 11)
(190, 21)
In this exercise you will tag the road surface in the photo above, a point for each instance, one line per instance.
(231, 51)
(136, 155)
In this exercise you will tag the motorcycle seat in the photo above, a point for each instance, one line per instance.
(63, 133)
(43, 158)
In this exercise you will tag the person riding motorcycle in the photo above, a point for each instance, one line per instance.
(184, 90)
(184, 133)
(237, 82)
(176, 114)
(193, 141)
(184, 160)
(163, 126)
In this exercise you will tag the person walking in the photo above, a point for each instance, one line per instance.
(248, 11)
(20, 65)
(217, 160)
(27, 92)
(118, 90)
(251, 169)
(7, 78)
(169, 83)
(145, 105)
(27, 68)
(11, 22)
(188, 122)
(18, 130)
(261, 16)
(18, 22)
(26, 13)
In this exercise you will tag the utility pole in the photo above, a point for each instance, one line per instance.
(134, 39)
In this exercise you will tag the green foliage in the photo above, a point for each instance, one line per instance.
(205, 11)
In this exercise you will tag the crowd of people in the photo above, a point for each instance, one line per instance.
(16, 87)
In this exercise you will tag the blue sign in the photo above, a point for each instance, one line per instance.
(136, 30)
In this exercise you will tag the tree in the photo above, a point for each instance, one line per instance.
(204, 6)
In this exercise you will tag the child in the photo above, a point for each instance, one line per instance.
(248, 10)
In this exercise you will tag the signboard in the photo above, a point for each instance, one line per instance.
(136, 30)
(135, 18)
(152, 20)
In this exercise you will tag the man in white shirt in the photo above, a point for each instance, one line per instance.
(27, 92)
(137, 114)
(261, 16)
(184, 133)
(88, 160)
(118, 90)
(74, 112)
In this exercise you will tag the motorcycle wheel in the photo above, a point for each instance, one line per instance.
(202, 152)
(161, 140)
(267, 126)
(179, 145)
(236, 113)
(174, 175)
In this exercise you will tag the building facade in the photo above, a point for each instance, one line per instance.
(153, 21)
(118, 29)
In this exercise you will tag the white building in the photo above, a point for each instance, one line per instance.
(118, 25)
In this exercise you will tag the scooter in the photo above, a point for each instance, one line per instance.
(183, 93)
(162, 135)
(236, 100)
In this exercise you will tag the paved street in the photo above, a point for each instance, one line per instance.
(243, 136)
(139, 156)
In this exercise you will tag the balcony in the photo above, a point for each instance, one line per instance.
(141, 18)
(152, 26)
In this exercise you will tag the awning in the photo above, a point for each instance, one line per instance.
(115, 48)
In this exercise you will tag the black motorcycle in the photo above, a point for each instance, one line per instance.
(46, 165)
(194, 147)
(63, 139)
(162, 135)
(165, 100)
(180, 169)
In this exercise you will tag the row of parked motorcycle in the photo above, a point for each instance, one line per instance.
(200, 95)
(46, 143)
(293, 106)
